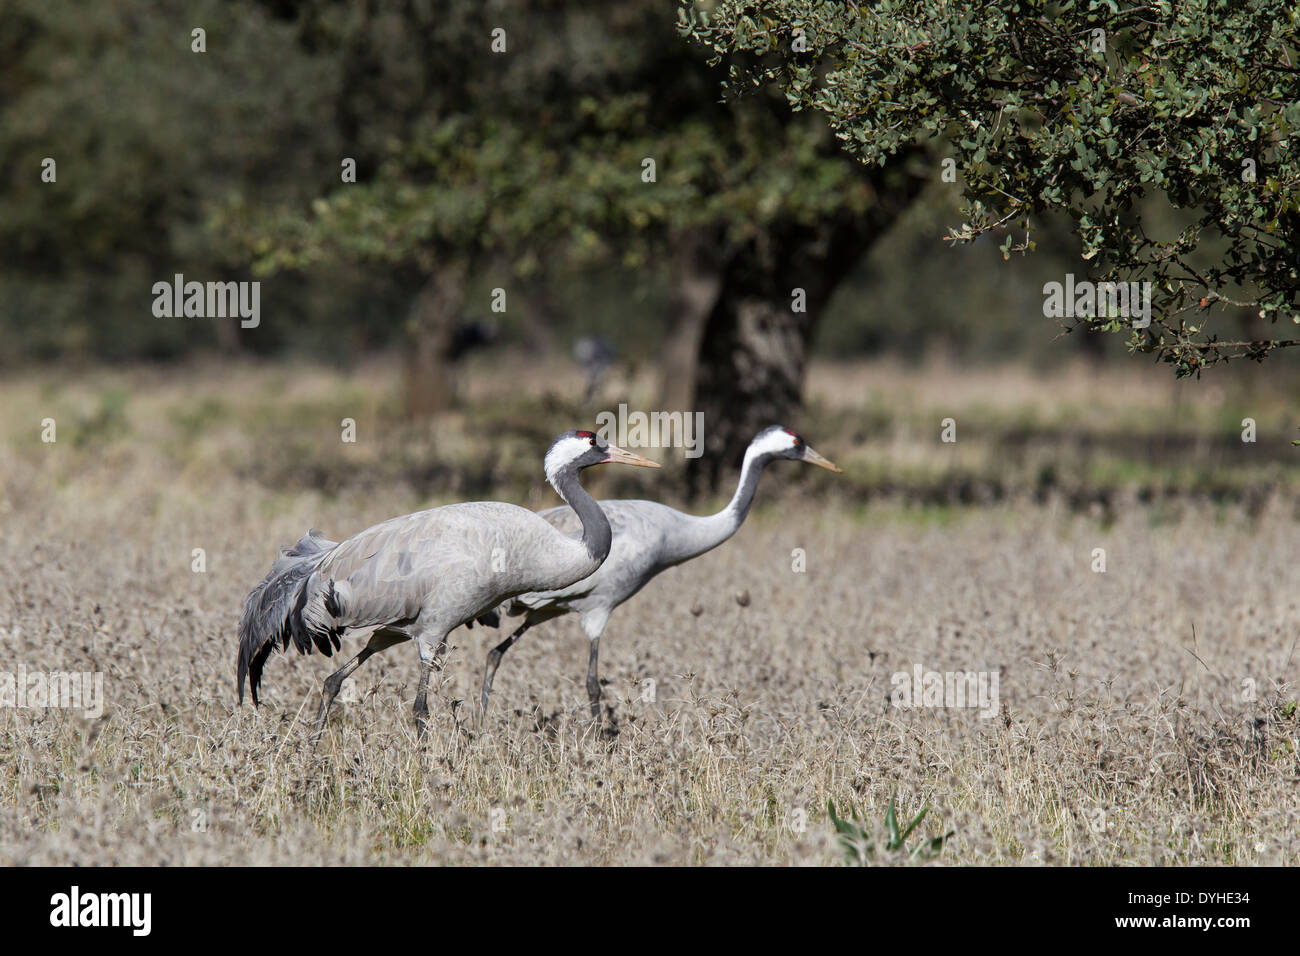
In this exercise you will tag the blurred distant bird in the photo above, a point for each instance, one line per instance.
(419, 576)
(648, 538)
(595, 354)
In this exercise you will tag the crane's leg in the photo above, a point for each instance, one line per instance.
(332, 685)
(380, 640)
(428, 661)
(493, 662)
(534, 617)
(422, 703)
(593, 682)
(593, 622)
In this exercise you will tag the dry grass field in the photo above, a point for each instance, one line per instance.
(1146, 714)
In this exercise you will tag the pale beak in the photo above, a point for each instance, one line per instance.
(620, 456)
(813, 458)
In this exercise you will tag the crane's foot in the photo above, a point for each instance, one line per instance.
(607, 724)
(421, 720)
(604, 723)
(421, 708)
(421, 711)
(333, 683)
(459, 724)
(489, 672)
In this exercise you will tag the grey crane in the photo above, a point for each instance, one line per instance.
(648, 538)
(419, 576)
(596, 354)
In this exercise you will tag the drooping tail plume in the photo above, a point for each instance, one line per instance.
(273, 611)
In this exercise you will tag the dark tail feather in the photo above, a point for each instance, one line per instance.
(273, 610)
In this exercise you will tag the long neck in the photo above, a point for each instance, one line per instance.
(704, 534)
(750, 471)
(596, 534)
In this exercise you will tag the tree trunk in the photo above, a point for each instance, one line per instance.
(752, 352)
(228, 342)
(539, 317)
(754, 348)
(429, 387)
(696, 282)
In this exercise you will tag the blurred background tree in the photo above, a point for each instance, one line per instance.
(143, 132)
(524, 170)
(539, 138)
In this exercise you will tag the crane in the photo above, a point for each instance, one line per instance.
(648, 538)
(419, 576)
(596, 355)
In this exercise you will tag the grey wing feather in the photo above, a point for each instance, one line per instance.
(391, 571)
(438, 566)
(270, 612)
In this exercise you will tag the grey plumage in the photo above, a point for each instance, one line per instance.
(272, 611)
(648, 538)
(419, 576)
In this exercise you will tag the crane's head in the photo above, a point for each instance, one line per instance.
(577, 449)
(780, 442)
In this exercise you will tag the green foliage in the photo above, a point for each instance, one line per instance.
(206, 164)
(1169, 102)
(145, 134)
(859, 843)
(536, 154)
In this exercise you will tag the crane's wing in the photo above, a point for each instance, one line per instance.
(444, 557)
(269, 614)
